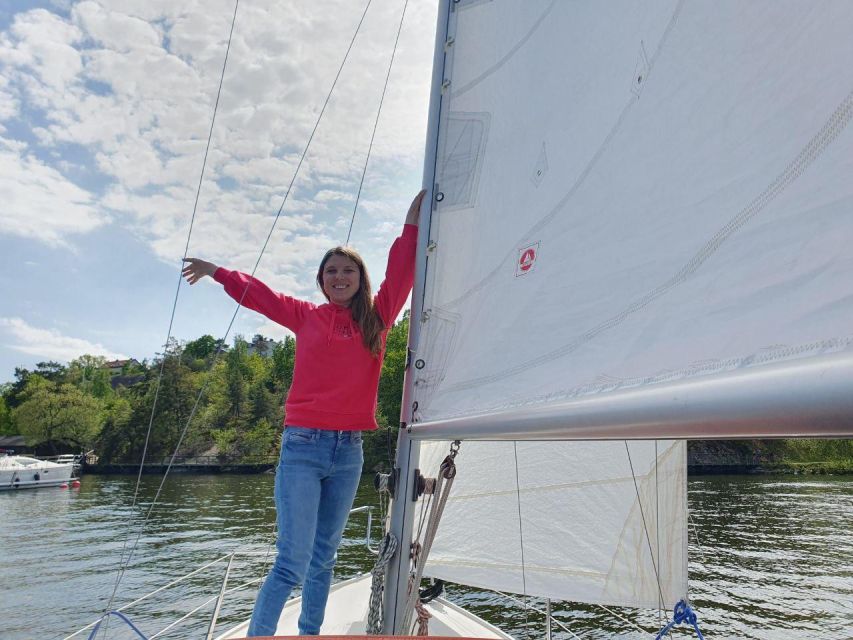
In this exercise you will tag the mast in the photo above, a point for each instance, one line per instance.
(402, 508)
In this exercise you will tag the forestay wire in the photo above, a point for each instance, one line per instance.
(122, 564)
(126, 562)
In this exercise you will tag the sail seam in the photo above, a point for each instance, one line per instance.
(473, 83)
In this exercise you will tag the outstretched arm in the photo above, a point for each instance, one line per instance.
(197, 269)
(251, 293)
(400, 272)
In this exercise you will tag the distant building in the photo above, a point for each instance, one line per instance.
(14, 444)
(117, 366)
(262, 346)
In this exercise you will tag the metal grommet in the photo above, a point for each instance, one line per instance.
(419, 364)
(439, 196)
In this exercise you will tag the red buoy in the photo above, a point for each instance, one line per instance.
(75, 484)
(63, 486)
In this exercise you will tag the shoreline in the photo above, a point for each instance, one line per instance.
(836, 468)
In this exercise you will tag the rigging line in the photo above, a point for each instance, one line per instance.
(175, 301)
(520, 525)
(526, 606)
(624, 619)
(645, 526)
(376, 122)
(661, 617)
(240, 302)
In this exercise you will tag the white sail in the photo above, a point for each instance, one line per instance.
(627, 194)
(567, 522)
(635, 193)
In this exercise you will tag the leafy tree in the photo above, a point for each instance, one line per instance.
(226, 441)
(259, 440)
(237, 370)
(6, 427)
(202, 348)
(88, 373)
(179, 387)
(283, 358)
(57, 413)
(112, 444)
(15, 393)
(50, 370)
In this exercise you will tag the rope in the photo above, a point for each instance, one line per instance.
(376, 122)
(681, 613)
(444, 482)
(375, 614)
(122, 617)
(122, 564)
(423, 619)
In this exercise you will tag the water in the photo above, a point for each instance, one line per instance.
(772, 559)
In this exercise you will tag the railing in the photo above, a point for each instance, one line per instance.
(223, 589)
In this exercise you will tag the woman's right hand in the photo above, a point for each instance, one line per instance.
(196, 269)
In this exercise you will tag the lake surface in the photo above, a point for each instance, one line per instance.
(771, 557)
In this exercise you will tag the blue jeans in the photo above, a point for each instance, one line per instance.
(315, 486)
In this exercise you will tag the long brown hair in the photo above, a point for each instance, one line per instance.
(361, 305)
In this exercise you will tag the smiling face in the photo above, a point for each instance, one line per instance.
(340, 279)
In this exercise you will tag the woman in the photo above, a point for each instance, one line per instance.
(332, 400)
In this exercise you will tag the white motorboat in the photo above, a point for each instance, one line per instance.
(22, 472)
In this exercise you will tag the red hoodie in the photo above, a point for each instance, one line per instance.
(335, 378)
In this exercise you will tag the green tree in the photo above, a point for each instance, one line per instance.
(6, 428)
(202, 348)
(237, 373)
(112, 444)
(283, 358)
(88, 373)
(56, 413)
(51, 370)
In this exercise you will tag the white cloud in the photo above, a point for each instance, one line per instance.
(38, 202)
(133, 83)
(49, 343)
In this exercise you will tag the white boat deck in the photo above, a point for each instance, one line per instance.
(346, 614)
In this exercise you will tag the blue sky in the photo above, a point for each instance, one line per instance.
(105, 107)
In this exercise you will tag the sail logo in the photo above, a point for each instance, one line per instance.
(526, 259)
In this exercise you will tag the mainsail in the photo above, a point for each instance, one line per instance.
(626, 195)
(632, 194)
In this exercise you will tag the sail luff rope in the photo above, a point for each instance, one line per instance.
(122, 565)
(239, 304)
(645, 526)
(376, 122)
